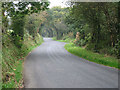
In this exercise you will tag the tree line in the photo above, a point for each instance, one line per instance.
(21, 18)
(21, 27)
(95, 23)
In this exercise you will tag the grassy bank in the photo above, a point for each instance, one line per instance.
(13, 58)
(94, 57)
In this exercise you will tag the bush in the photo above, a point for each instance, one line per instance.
(88, 38)
(117, 50)
(65, 37)
(17, 41)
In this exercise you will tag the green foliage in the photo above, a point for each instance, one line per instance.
(55, 26)
(82, 42)
(94, 57)
(13, 58)
(16, 38)
(18, 30)
(116, 50)
(16, 41)
(18, 26)
(97, 24)
(65, 39)
(15, 81)
(17, 13)
(33, 23)
(0, 47)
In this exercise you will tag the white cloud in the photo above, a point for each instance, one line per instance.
(57, 3)
(15, 2)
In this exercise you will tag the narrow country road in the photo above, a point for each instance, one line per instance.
(51, 66)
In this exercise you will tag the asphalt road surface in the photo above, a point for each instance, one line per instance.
(51, 66)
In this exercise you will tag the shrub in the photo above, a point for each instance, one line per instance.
(82, 42)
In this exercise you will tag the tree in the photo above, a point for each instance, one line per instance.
(17, 12)
(34, 23)
(97, 23)
(55, 25)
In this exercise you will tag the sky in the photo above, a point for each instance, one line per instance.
(57, 3)
(54, 3)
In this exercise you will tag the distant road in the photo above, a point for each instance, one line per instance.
(51, 66)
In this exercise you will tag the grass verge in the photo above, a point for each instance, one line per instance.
(12, 61)
(94, 57)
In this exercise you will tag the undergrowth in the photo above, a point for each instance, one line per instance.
(67, 40)
(13, 58)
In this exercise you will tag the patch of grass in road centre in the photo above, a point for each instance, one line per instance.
(94, 57)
